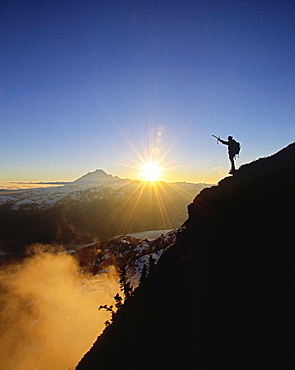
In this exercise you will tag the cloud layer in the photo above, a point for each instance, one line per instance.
(49, 312)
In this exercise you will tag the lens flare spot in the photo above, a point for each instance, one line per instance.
(155, 151)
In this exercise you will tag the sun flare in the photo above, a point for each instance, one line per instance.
(150, 172)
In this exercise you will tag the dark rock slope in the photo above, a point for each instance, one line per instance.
(223, 296)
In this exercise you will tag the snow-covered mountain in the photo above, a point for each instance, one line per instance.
(97, 177)
(93, 185)
(97, 206)
(85, 189)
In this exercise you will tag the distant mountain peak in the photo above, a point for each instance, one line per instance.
(97, 176)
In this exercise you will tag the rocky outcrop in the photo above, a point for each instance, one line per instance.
(222, 296)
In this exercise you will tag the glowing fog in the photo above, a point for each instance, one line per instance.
(49, 312)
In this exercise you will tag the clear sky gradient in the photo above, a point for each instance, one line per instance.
(109, 84)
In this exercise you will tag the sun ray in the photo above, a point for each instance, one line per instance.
(135, 197)
(163, 212)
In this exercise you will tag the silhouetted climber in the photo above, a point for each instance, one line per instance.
(233, 150)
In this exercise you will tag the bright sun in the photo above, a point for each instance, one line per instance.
(151, 172)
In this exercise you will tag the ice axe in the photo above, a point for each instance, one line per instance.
(218, 138)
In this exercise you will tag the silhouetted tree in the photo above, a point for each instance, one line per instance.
(118, 299)
(124, 285)
(109, 309)
(143, 274)
(152, 264)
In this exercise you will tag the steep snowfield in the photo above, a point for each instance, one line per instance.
(127, 252)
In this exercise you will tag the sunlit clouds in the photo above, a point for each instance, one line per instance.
(49, 312)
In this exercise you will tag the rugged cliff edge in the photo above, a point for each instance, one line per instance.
(223, 296)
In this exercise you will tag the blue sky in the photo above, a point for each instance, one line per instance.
(110, 84)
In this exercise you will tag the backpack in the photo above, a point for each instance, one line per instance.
(235, 147)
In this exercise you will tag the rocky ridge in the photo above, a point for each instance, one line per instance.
(126, 252)
(222, 296)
